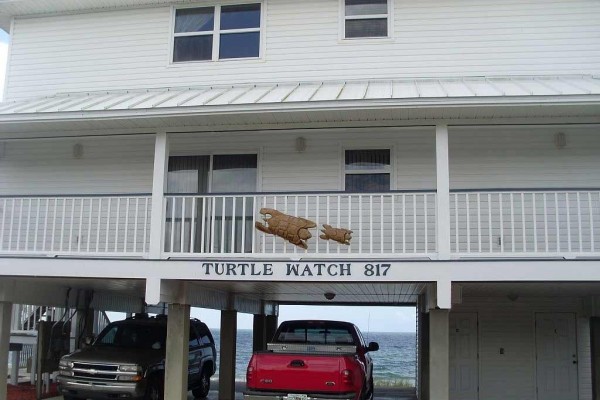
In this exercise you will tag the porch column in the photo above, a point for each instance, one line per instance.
(159, 181)
(443, 191)
(176, 365)
(5, 322)
(439, 355)
(259, 332)
(228, 350)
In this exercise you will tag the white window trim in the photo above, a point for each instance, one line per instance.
(216, 32)
(389, 169)
(343, 18)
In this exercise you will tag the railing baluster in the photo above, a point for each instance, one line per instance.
(393, 206)
(295, 248)
(20, 223)
(360, 230)
(243, 244)
(371, 224)
(135, 223)
(182, 229)
(98, 222)
(193, 227)
(468, 203)
(456, 230)
(591, 208)
(490, 228)
(233, 217)
(146, 210)
(556, 216)
(71, 224)
(273, 242)
(545, 221)
(404, 224)
(535, 235)
(3, 220)
(285, 211)
(568, 221)
(339, 213)
(80, 224)
(381, 234)
(126, 232)
(173, 206)
(425, 212)
(479, 222)
(89, 230)
(317, 197)
(414, 196)
(524, 233)
(579, 226)
(512, 221)
(62, 223)
(107, 224)
(204, 223)
(501, 209)
(117, 223)
(349, 217)
(46, 210)
(327, 215)
(254, 202)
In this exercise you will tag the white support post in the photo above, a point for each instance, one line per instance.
(176, 365)
(5, 321)
(159, 181)
(443, 191)
(439, 355)
(228, 351)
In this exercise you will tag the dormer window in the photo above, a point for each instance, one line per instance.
(217, 33)
(366, 19)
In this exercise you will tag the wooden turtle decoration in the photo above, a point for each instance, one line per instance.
(293, 229)
(340, 235)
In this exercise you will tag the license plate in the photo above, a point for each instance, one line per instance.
(297, 397)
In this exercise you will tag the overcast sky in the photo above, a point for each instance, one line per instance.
(373, 319)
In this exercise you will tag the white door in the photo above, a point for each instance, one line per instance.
(556, 355)
(464, 374)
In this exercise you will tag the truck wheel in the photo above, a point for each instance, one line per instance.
(155, 390)
(202, 391)
(368, 392)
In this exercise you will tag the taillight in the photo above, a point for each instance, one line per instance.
(249, 375)
(347, 377)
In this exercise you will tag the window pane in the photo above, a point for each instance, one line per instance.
(188, 174)
(193, 48)
(366, 28)
(234, 173)
(366, 7)
(240, 16)
(367, 159)
(368, 183)
(194, 20)
(240, 45)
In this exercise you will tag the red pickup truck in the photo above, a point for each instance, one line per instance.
(324, 360)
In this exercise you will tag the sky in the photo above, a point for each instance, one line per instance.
(368, 319)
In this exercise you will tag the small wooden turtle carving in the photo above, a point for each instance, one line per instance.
(340, 235)
(293, 229)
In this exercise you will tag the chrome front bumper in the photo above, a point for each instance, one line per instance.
(255, 395)
(99, 390)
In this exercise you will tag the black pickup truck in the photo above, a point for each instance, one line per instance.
(127, 360)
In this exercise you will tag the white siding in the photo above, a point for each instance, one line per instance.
(435, 38)
(511, 326)
(108, 165)
(524, 157)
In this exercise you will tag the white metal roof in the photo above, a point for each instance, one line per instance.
(392, 92)
(308, 102)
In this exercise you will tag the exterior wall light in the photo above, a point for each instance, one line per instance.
(300, 144)
(329, 295)
(560, 140)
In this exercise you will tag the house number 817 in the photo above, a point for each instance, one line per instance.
(377, 269)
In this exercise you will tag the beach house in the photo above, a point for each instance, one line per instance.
(218, 153)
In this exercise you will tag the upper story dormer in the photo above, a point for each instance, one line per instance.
(63, 46)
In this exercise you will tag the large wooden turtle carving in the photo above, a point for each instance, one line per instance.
(293, 229)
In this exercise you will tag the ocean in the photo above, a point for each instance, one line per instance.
(394, 363)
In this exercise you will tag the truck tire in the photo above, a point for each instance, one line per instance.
(202, 390)
(155, 389)
(368, 391)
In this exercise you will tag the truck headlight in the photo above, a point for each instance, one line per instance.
(65, 364)
(129, 378)
(130, 368)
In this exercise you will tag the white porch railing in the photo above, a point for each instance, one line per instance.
(384, 224)
(95, 225)
(534, 223)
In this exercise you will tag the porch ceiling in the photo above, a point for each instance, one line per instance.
(308, 103)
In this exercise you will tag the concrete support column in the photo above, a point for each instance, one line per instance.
(159, 182)
(5, 322)
(176, 366)
(228, 350)
(439, 355)
(443, 191)
(271, 326)
(259, 332)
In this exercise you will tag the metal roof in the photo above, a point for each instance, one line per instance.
(448, 91)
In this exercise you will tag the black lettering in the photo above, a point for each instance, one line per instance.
(293, 269)
(243, 268)
(345, 270)
(334, 267)
(319, 268)
(206, 267)
(268, 269)
(254, 271)
(231, 269)
(219, 268)
(307, 271)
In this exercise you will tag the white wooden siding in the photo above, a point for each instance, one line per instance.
(480, 158)
(108, 165)
(130, 48)
(511, 326)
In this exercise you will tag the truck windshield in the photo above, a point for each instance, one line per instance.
(317, 334)
(133, 336)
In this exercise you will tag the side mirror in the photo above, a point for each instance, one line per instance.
(88, 340)
(373, 346)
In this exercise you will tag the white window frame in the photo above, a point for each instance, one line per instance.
(216, 32)
(389, 169)
(344, 18)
